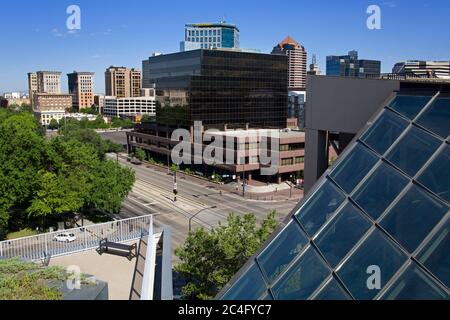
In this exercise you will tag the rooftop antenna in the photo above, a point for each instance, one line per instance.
(314, 59)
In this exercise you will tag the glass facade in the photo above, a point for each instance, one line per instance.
(351, 66)
(222, 87)
(377, 225)
(211, 35)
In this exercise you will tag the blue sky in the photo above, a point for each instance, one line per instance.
(116, 32)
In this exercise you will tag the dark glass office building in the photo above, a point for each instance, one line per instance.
(219, 87)
(351, 66)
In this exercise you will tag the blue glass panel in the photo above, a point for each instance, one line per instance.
(414, 150)
(384, 132)
(282, 250)
(355, 166)
(332, 291)
(413, 218)
(415, 284)
(409, 106)
(378, 251)
(303, 278)
(437, 117)
(320, 208)
(437, 176)
(436, 254)
(250, 286)
(382, 187)
(342, 234)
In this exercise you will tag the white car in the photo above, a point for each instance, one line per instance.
(65, 237)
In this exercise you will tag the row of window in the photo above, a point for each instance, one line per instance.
(292, 161)
(201, 33)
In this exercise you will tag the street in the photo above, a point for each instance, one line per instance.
(153, 194)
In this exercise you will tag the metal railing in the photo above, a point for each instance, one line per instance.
(39, 247)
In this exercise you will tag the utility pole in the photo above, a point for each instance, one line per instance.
(175, 186)
(168, 162)
(243, 183)
(290, 184)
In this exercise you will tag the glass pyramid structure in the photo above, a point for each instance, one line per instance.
(376, 225)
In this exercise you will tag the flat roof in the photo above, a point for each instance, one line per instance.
(212, 25)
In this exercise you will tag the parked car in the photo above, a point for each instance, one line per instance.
(136, 161)
(65, 237)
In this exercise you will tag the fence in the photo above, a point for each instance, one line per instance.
(38, 247)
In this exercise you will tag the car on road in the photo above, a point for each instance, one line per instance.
(65, 237)
(136, 161)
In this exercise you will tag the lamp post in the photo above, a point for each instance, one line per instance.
(195, 215)
(175, 186)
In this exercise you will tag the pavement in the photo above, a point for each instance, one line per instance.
(204, 203)
(119, 278)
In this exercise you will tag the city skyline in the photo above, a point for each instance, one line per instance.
(113, 34)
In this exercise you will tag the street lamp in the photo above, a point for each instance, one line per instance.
(175, 185)
(195, 215)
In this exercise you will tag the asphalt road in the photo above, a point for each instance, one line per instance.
(153, 194)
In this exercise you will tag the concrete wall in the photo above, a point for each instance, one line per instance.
(344, 104)
(336, 104)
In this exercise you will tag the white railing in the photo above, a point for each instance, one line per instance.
(38, 247)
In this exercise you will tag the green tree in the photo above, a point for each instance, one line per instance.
(56, 195)
(209, 259)
(116, 123)
(54, 125)
(140, 154)
(23, 153)
(40, 178)
(110, 186)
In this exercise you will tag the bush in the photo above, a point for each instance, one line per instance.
(27, 281)
(140, 154)
(209, 259)
(21, 234)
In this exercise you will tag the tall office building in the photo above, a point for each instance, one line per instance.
(297, 59)
(49, 82)
(32, 85)
(210, 35)
(351, 66)
(81, 85)
(123, 82)
(220, 87)
(426, 69)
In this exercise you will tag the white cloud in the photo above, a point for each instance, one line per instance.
(390, 4)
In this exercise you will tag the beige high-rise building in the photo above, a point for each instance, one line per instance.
(32, 85)
(49, 82)
(297, 62)
(123, 82)
(81, 87)
(44, 82)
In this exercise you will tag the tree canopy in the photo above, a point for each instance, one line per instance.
(42, 178)
(209, 259)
